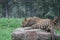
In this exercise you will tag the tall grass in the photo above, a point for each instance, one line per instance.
(7, 26)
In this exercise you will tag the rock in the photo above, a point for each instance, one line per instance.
(28, 33)
(57, 36)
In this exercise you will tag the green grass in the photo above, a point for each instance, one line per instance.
(7, 26)
(58, 31)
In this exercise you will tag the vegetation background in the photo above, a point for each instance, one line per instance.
(12, 13)
(7, 26)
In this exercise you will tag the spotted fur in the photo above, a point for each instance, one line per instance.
(39, 23)
(30, 21)
(44, 24)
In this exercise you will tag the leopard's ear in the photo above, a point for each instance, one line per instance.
(55, 19)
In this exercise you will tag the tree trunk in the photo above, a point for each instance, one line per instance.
(5, 10)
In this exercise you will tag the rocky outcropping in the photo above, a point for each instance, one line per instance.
(31, 34)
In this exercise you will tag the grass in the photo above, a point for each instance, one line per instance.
(5, 34)
(58, 31)
(7, 26)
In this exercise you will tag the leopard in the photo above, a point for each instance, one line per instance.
(29, 21)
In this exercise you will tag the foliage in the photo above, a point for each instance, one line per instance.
(57, 31)
(25, 8)
(7, 26)
(13, 22)
(5, 34)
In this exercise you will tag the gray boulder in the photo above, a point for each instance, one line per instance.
(28, 33)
